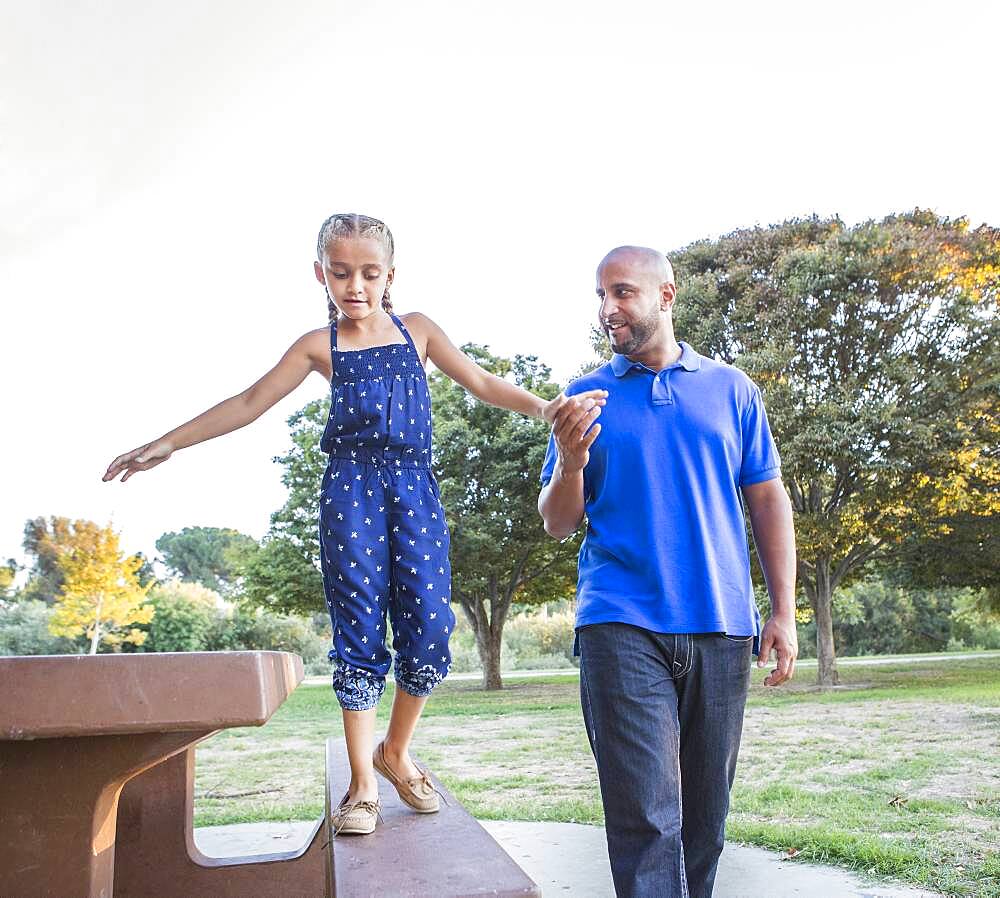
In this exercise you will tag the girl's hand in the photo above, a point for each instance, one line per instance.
(141, 459)
(551, 409)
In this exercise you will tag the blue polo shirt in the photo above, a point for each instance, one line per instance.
(666, 544)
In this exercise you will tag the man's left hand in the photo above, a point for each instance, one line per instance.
(779, 634)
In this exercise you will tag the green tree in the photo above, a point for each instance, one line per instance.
(974, 622)
(205, 555)
(896, 620)
(282, 574)
(961, 551)
(279, 575)
(42, 540)
(487, 462)
(876, 348)
(601, 347)
(145, 573)
(8, 572)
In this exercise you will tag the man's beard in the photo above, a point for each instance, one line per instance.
(639, 333)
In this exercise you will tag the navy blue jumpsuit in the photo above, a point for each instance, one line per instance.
(382, 527)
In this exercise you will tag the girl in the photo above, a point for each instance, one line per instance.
(382, 528)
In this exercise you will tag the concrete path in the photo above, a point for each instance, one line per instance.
(572, 860)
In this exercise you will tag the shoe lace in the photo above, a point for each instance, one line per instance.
(425, 780)
(345, 809)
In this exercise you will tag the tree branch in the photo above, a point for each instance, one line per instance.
(795, 490)
(556, 559)
(854, 558)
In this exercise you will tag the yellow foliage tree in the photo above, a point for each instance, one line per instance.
(101, 595)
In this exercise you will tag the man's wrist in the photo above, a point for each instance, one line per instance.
(564, 473)
(783, 611)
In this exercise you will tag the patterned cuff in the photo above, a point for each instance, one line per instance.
(418, 683)
(357, 690)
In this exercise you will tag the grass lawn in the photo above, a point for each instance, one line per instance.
(896, 773)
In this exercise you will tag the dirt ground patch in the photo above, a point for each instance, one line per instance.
(960, 743)
(514, 745)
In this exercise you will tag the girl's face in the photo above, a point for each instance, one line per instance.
(355, 271)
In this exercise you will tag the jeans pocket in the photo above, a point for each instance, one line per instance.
(742, 640)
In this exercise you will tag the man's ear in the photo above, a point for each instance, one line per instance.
(668, 293)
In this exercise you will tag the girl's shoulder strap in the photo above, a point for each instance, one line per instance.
(405, 332)
(333, 335)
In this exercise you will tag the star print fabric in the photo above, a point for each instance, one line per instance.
(382, 527)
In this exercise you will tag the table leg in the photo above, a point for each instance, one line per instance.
(60, 805)
(157, 855)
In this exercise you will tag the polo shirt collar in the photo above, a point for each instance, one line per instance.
(689, 361)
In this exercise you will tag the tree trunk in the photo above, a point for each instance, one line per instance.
(822, 602)
(491, 663)
(488, 629)
(95, 640)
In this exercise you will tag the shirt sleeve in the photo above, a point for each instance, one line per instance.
(760, 456)
(549, 465)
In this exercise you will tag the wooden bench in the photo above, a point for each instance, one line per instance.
(443, 855)
(97, 785)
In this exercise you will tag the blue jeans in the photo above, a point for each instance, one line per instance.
(664, 714)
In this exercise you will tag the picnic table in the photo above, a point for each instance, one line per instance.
(97, 791)
(74, 729)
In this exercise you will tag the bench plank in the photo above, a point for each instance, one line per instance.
(410, 855)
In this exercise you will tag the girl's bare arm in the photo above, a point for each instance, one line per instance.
(480, 383)
(308, 353)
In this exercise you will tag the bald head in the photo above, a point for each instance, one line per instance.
(635, 285)
(642, 260)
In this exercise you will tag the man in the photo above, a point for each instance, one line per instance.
(666, 620)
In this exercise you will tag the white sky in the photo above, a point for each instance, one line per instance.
(164, 168)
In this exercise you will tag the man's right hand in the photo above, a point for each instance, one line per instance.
(570, 426)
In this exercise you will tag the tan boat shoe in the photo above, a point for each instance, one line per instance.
(418, 792)
(355, 817)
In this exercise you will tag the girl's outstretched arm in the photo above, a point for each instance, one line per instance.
(309, 353)
(480, 383)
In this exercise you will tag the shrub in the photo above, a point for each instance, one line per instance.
(972, 627)
(462, 645)
(240, 629)
(184, 617)
(540, 640)
(24, 630)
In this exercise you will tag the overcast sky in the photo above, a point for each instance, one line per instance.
(164, 169)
